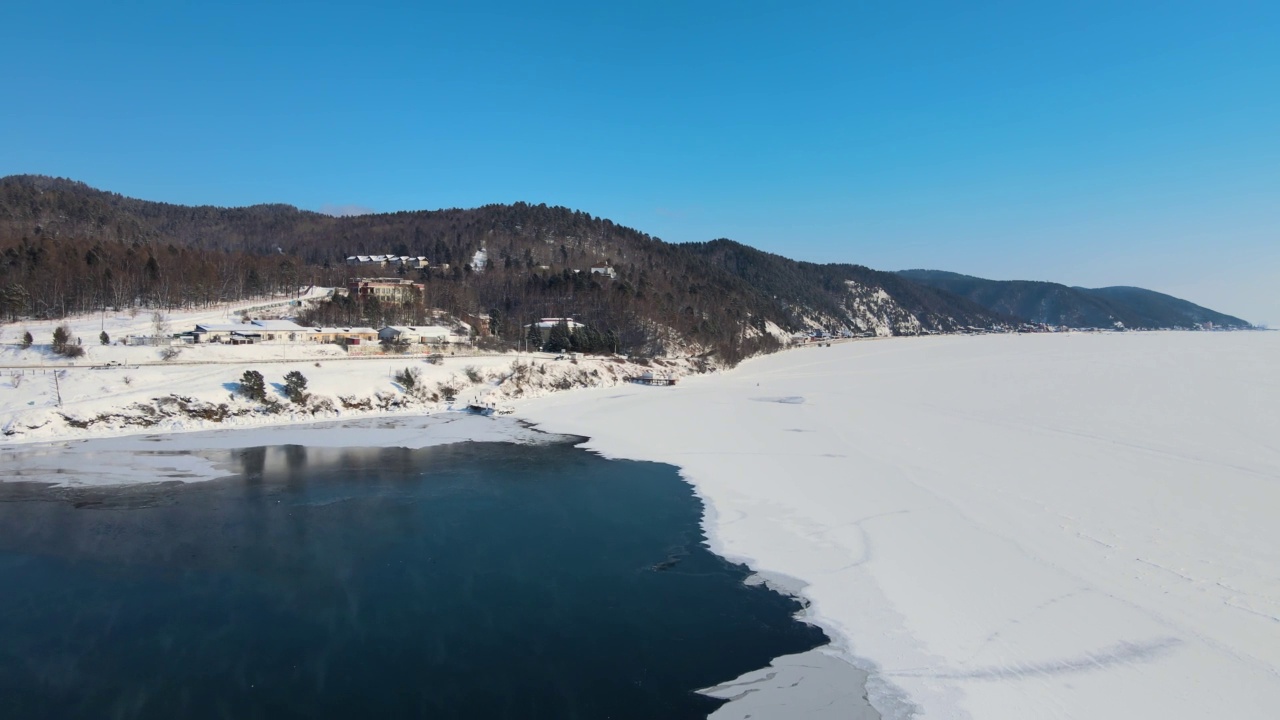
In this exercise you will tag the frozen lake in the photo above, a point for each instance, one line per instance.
(1040, 526)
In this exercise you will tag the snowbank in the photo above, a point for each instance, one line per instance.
(1042, 526)
(57, 403)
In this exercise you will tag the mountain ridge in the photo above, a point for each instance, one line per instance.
(68, 247)
(1056, 304)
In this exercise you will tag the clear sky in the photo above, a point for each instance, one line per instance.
(1091, 143)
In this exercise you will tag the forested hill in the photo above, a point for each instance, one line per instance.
(68, 248)
(1054, 304)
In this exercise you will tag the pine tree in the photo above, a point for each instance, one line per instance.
(560, 338)
(495, 322)
(295, 386)
(60, 337)
(592, 341)
(104, 338)
(253, 386)
(534, 337)
(27, 340)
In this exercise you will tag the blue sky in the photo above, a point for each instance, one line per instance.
(1087, 143)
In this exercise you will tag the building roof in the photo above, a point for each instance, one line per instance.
(418, 329)
(280, 326)
(399, 282)
(222, 327)
(546, 323)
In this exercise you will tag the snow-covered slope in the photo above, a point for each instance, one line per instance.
(873, 310)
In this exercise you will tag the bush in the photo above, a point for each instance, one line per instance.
(253, 386)
(409, 378)
(72, 351)
(323, 405)
(473, 374)
(170, 353)
(448, 392)
(295, 387)
(104, 338)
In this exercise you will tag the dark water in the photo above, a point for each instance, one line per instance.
(479, 580)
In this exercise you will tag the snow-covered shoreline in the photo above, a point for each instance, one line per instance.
(987, 527)
(99, 401)
(117, 390)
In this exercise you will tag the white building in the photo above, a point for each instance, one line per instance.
(257, 331)
(417, 335)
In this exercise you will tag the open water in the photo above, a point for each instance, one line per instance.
(477, 580)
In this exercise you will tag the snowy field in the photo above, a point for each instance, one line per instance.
(1022, 527)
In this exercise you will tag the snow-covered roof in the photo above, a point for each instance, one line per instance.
(280, 326)
(546, 323)
(427, 330)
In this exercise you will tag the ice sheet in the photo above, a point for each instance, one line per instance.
(1045, 526)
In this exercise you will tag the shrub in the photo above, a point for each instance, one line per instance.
(409, 378)
(170, 353)
(448, 392)
(473, 374)
(128, 379)
(104, 338)
(72, 351)
(295, 387)
(253, 386)
(323, 405)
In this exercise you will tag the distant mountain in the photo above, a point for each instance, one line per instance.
(843, 296)
(1055, 304)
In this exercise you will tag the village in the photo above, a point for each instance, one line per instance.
(276, 324)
